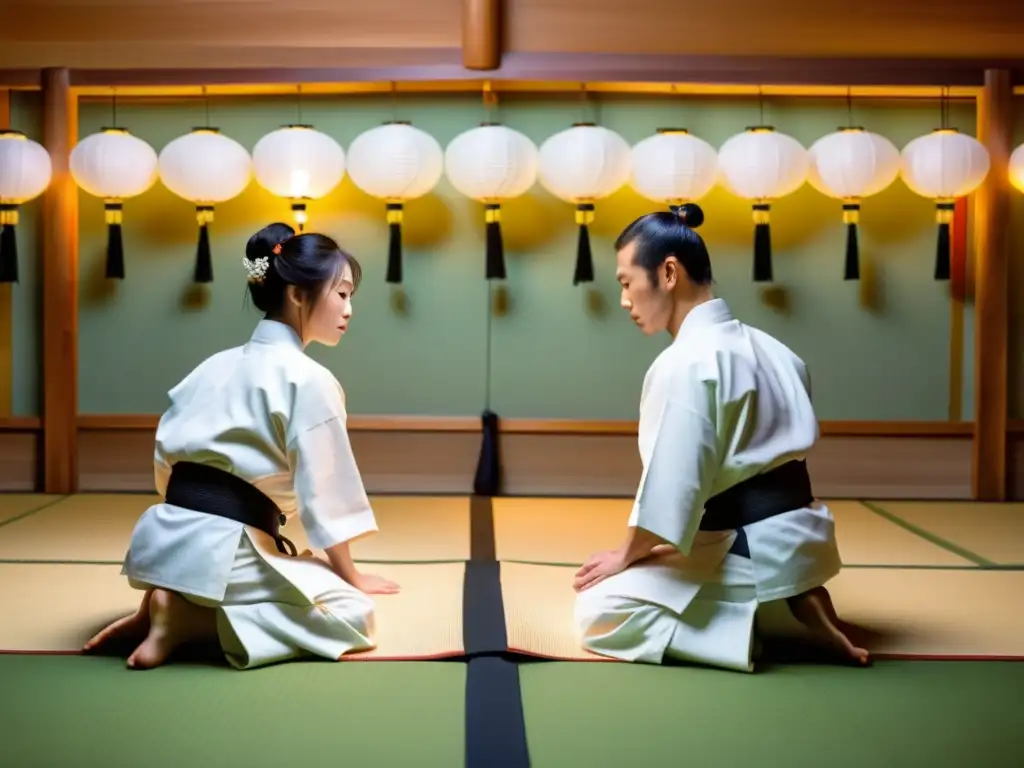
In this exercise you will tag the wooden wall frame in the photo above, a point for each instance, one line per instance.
(992, 82)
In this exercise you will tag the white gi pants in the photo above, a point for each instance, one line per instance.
(264, 619)
(702, 608)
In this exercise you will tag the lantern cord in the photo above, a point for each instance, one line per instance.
(206, 106)
(8, 254)
(113, 107)
(298, 102)
(849, 106)
(760, 102)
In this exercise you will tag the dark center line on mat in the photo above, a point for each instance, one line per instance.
(855, 566)
(495, 723)
(928, 535)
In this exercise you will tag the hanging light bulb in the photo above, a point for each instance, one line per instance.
(299, 164)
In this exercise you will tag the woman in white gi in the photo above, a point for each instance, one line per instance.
(255, 433)
(724, 521)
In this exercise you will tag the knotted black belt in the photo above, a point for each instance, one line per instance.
(215, 492)
(780, 490)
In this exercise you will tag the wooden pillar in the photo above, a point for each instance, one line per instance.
(6, 304)
(60, 288)
(991, 290)
(481, 34)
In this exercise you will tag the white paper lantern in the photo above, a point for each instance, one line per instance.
(299, 164)
(849, 165)
(395, 162)
(113, 165)
(762, 165)
(944, 165)
(1017, 168)
(205, 168)
(674, 167)
(25, 172)
(581, 165)
(491, 164)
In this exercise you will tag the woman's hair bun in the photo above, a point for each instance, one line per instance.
(262, 244)
(691, 214)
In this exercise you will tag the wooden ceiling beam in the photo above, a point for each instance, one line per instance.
(481, 34)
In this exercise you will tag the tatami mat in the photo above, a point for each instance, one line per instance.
(568, 531)
(412, 529)
(98, 527)
(55, 608)
(994, 532)
(13, 505)
(911, 612)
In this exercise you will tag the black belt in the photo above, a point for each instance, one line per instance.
(215, 492)
(758, 498)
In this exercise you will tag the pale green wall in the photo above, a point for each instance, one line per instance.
(557, 353)
(26, 116)
(1016, 340)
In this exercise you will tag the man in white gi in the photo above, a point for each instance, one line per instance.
(724, 520)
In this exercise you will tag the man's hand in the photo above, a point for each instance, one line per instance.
(374, 585)
(598, 568)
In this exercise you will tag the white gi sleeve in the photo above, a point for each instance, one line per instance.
(332, 501)
(684, 460)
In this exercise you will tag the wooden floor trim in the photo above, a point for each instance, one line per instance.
(147, 421)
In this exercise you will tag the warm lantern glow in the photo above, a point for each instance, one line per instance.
(944, 165)
(206, 168)
(25, 172)
(114, 166)
(850, 165)
(674, 167)
(581, 165)
(395, 162)
(491, 164)
(299, 164)
(762, 165)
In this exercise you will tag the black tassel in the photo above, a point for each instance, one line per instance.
(762, 245)
(584, 259)
(115, 245)
(8, 255)
(488, 468)
(942, 253)
(944, 214)
(852, 254)
(851, 214)
(495, 246)
(204, 259)
(115, 252)
(394, 272)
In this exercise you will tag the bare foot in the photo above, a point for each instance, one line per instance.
(815, 611)
(173, 622)
(134, 627)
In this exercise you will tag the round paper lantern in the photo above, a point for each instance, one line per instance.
(944, 165)
(25, 172)
(581, 165)
(674, 167)
(849, 165)
(395, 162)
(299, 164)
(114, 166)
(762, 165)
(1017, 168)
(205, 168)
(491, 164)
